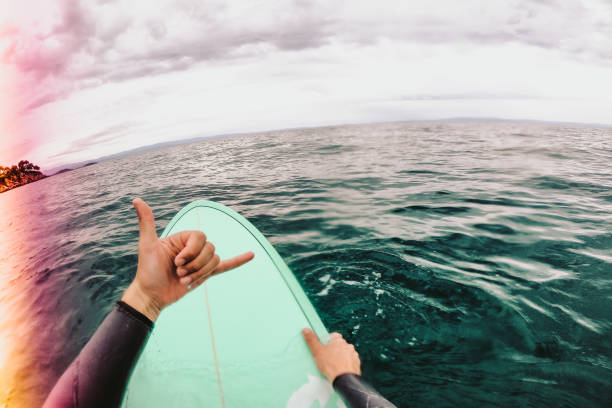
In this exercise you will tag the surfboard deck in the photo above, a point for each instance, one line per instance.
(234, 341)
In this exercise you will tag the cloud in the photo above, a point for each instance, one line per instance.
(79, 44)
(109, 134)
(567, 25)
(49, 51)
(111, 44)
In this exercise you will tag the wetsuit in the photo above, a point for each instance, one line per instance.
(99, 375)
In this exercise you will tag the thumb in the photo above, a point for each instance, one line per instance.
(146, 221)
(312, 340)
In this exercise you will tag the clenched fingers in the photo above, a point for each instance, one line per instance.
(204, 257)
(202, 273)
(193, 242)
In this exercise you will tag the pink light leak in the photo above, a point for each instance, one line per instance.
(32, 55)
(29, 56)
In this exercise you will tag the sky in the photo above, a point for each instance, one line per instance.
(84, 79)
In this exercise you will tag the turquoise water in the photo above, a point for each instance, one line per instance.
(469, 263)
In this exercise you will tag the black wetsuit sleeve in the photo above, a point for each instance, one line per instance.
(358, 393)
(99, 374)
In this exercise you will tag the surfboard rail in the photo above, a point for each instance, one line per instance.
(237, 336)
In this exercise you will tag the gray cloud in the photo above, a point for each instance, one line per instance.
(566, 25)
(82, 45)
(98, 42)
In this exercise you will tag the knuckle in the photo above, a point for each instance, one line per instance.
(199, 264)
(199, 235)
(214, 263)
(212, 247)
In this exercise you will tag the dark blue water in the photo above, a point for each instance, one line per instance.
(471, 264)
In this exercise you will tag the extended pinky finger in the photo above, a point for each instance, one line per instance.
(229, 264)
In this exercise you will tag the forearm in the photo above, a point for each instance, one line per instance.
(357, 393)
(99, 374)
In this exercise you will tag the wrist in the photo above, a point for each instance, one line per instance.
(139, 300)
(344, 374)
(332, 377)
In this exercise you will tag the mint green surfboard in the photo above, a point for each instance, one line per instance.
(234, 341)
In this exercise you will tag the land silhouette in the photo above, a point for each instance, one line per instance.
(19, 174)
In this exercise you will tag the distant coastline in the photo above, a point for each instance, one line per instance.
(73, 168)
(25, 173)
(18, 175)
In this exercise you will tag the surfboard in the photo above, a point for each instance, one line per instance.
(234, 341)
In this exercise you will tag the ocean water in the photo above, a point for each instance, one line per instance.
(470, 263)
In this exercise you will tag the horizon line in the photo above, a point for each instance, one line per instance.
(460, 119)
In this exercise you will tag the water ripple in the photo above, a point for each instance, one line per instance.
(469, 263)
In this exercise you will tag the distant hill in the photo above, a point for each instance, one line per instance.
(77, 166)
